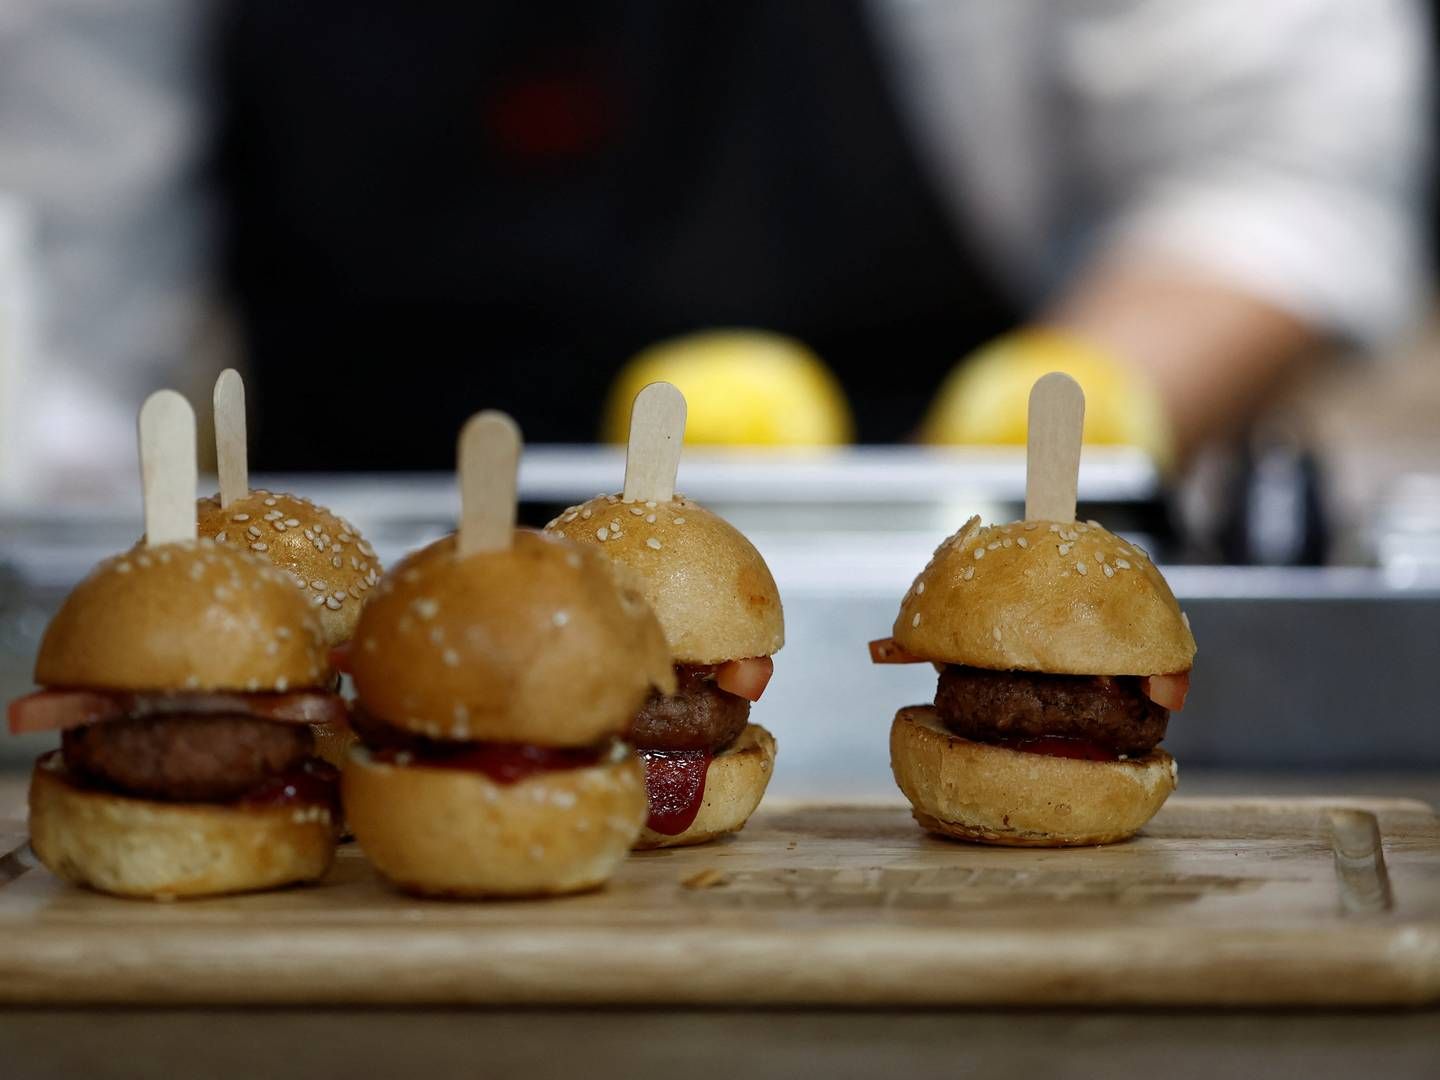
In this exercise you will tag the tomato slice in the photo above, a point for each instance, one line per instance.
(1168, 691)
(887, 650)
(745, 678)
(340, 657)
(57, 710)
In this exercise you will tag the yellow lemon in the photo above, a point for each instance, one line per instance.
(741, 387)
(986, 398)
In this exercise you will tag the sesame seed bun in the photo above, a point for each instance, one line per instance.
(325, 556)
(734, 785)
(1066, 598)
(994, 795)
(538, 643)
(184, 616)
(708, 585)
(455, 832)
(135, 847)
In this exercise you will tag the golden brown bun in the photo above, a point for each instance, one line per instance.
(324, 555)
(734, 785)
(709, 587)
(1066, 598)
(992, 795)
(184, 616)
(455, 832)
(537, 643)
(136, 847)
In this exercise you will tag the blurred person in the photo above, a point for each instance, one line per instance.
(499, 203)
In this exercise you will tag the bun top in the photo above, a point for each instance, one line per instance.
(184, 616)
(1059, 597)
(542, 643)
(708, 585)
(323, 554)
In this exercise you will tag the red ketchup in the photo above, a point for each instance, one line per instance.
(505, 763)
(1059, 746)
(315, 783)
(675, 786)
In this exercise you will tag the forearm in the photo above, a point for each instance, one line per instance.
(1213, 352)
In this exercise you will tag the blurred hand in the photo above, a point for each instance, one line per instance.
(742, 387)
(986, 398)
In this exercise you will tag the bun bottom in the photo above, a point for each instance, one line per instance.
(141, 848)
(992, 795)
(455, 832)
(734, 785)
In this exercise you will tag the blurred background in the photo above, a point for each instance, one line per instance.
(853, 233)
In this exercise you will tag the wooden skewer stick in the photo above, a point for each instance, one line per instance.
(657, 433)
(489, 455)
(167, 467)
(1052, 457)
(231, 450)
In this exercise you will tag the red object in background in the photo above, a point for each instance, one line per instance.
(675, 786)
(551, 114)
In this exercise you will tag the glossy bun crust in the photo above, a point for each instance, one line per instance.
(994, 795)
(184, 616)
(1065, 598)
(457, 833)
(707, 584)
(326, 558)
(135, 847)
(734, 785)
(539, 643)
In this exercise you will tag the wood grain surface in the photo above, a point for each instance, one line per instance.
(1219, 902)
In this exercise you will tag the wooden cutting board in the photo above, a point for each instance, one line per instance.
(1220, 902)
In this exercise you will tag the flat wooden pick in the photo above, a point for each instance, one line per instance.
(1052, 456)
(231, 450)
(489, 455)
(657, 434)
(167, 467)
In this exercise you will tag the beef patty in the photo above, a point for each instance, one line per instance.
(186, 758)
(698, 716)
(1111, 710)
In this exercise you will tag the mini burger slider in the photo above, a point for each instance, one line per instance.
(325, 557)
(706, 765)
(493, 688)
(1061, 653)
(183, 678)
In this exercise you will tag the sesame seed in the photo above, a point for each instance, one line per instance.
(653, 543)
(1064, 549)
(451, 658)
(637, 511)
(978, 553)
(269, 502)
(271, 648)
(257, 546)
(426, 607)
(332, 603)
(560, 618)
(219, 538)
(1099, 556)
(339, 594)
(293, 523)
(612, 499)
(192, 681)
(916, 620)
(585, 513)
(241, 517)
(1031, 526)
(122, 568)
(1094, 524)
(1109, 570)
(919, 588)
(319, 584)
(1081, 569)
(995, 632)
(253, 530)
(1023, 542)
(1055, 528)
(274, 515)
(650, 519)
(571, 516)
(650, 504)
(969, 572)
(678, 521)
(1006, 542)
(1185, 619)
(282, 632)
(335, 548)
(282, 684)
(1123, 564)
(602, 534)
